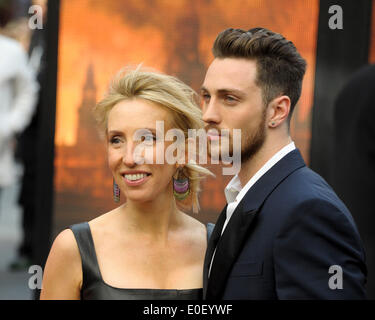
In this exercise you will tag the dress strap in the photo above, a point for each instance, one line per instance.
(85, 242)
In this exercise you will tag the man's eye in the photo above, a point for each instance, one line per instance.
(230, 99)
(205, 96)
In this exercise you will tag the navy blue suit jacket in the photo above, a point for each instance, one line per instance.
(282, 239)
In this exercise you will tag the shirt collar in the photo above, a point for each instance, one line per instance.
(234, 191)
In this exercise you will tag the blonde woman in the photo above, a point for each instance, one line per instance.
(147, 248)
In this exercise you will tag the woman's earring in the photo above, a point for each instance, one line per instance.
(181, 187)
(116, 192)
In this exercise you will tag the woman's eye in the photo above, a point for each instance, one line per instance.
(149, 138)
(114, 140)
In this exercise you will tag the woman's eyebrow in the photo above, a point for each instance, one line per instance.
(116, 132)
(153, 130)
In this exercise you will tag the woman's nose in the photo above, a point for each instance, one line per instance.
(128, 156)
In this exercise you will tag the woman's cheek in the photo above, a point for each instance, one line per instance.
(113, 158)
(148, 155)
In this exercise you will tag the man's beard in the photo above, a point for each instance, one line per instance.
(254, 141)
(251, 142)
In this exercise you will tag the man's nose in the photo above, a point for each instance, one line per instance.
(211, 112)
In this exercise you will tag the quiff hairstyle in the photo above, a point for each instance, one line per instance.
(280, 68)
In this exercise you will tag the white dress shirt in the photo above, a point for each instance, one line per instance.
(234, 192)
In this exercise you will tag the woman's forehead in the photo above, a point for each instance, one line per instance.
(136, 114)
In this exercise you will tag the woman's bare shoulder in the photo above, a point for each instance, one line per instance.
(62, 277)
(65, 244)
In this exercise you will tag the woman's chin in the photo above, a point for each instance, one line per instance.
(139, 197)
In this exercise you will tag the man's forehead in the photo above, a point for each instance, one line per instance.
(229, 73)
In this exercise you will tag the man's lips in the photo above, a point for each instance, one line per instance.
(213, 137)
(213, 134)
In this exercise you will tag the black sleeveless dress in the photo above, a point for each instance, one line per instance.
(94, 288)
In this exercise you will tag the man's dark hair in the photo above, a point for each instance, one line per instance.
(280, 68)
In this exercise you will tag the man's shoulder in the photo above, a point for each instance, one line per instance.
(306, 182)
(306, 193)
(306, 188)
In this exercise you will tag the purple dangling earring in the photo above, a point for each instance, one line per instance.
(116, 192)
(181, 187)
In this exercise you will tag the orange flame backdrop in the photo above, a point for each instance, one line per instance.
(97, 38)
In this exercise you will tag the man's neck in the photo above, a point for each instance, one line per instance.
(256, 162)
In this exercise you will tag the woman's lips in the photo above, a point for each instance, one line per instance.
(136, 182)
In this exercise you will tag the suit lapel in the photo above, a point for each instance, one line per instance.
(227, 249)
(211, 245)
(230, 244)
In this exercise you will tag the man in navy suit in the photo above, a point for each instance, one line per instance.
(284, 233)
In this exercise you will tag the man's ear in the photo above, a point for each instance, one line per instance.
(279, 109)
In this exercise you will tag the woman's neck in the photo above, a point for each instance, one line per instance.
(154, 218)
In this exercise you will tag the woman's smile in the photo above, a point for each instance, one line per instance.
(135, 178)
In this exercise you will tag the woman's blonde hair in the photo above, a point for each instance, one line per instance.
(168, 92)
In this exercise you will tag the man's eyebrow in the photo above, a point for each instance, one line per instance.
(230, 90)
(238, 92)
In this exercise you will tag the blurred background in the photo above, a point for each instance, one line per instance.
(59, 162)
